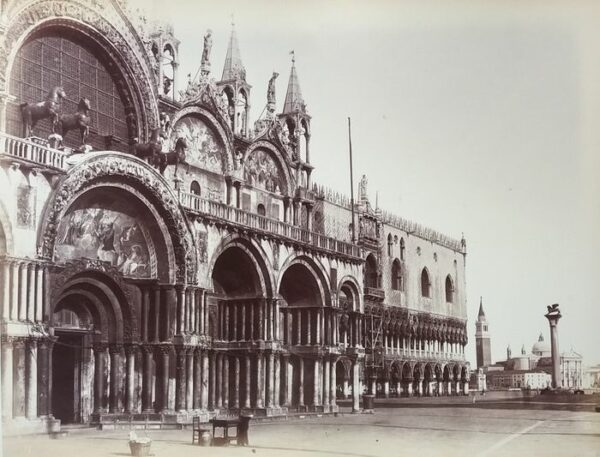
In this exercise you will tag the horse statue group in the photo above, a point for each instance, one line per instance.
(61, 123)
(151, 151)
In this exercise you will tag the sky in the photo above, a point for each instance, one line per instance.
(480, 118)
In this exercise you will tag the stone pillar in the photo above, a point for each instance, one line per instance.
(285, 374)
(5, 290)
(449, 388)
(326, 381)
(156, 314)
(205, 380)
(180, 309)
(236, 382)
(218, 380)
(115, 377)
(301, 383)
(277, 381)
(162, 391)
(130, 353)
(39, 293)
(189, 401)
(7, 377)
(260, 381)
(23, 292)
(409, 387)
(14, 290)
(457, 387)
(147, 379)
(31, 292)
(386, 388)
(99, 350)
(355, 386)
(316, 382)
(248, 383)
(333, 384)
(197, 391)
(180, 380)
(270, 375)
(225, 381)
(346, 389)
(553, 317)
(213, 380)
(44, 376)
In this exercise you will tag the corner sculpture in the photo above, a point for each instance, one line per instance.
(79, 120)
(34, 112)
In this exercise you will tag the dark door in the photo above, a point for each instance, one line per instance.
(66, 367)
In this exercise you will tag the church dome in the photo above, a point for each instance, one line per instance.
(541, 348)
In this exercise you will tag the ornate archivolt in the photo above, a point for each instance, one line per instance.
(262, 159)
(120, 166)
(106, 25)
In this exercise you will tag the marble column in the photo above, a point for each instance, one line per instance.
(180, 380)
(269, 384)
(5, 266)
(180, 309)
(213, 380)
(409, 387)
(23, 292)
(99, 355)
(147, 379)
(31, 292)
(115, 377)
(19, 378)
(333, 384)
(7, 377)
(218, 380)
(260, 381)
(301, 381)
(189, 400)
(386, 388)
(326, 382)
(44, 369)
(355, 386)
(130, 375)
(162, 389)
(553, 317)
(39, 293)
(236, 382)
(14, 290)
(316, 383)
(247, 392)
(225, 381)
(205, 381)
(277, 381)
(197, 391)
(285, 390)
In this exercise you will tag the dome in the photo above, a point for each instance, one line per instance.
(541, 348)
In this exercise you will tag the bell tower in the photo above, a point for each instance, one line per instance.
(482, 339)
(235, 90)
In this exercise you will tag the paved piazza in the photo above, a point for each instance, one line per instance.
(426, 431)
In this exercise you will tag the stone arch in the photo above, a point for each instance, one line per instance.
(254, 253)
(132, 61)
(279, 158)
(107, 166)
(97, 311)
(315, 269)
(217, 127)
(112, 305)
(351, 283)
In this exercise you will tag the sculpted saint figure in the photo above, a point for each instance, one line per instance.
(271, 88)
(207, 47)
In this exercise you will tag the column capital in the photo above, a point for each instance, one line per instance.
(131, 348)
(115, 348)
(100, 346)
(163, 349)
(147, 348)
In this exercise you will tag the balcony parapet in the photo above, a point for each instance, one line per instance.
(267, 225)
(374, 294)
(29, 151)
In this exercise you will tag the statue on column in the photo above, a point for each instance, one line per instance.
(271, 93)
(205, 61)
(362, 189)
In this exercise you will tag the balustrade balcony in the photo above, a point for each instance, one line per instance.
(264, 224)
(30, 151)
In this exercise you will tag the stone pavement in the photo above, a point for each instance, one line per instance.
(403, 431)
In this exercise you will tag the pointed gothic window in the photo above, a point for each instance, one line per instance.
(397, 275)
(449, 290)
(425, 284)
(390, 244)
(402, 247)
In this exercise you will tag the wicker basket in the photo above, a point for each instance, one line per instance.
(140, 449)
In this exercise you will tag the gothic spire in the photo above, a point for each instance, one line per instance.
(293, 97)
(481, 314)
(233, 68)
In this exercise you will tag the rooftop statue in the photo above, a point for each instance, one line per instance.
(362, 188)
(271, 89)
(207, 47)
(34, 112)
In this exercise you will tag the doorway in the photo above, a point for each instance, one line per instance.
(66, 377)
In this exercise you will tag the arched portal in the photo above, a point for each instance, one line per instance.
(92, 318)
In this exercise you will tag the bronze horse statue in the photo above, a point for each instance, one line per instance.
(34, 112)
(150, 150)
(172, 158)
(80, 120)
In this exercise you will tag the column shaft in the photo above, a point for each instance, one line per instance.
(205, 380)
(180, 381)
(7, 378)
(99, 378)
(147, 379)
(197, 392)
(115, 377)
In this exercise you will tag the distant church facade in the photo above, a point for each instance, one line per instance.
(162, 256)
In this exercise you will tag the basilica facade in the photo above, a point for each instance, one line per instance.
(162, 257)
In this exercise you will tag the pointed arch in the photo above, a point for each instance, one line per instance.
(425, 283)
(449, 289)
